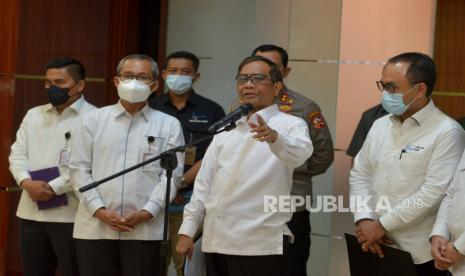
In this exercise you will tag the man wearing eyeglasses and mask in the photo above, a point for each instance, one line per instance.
(406, 163)
(195, 113)
(119, 224)
(47, 209)
(240, 168)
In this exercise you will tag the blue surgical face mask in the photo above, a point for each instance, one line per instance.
(394, 102)
(179, 84)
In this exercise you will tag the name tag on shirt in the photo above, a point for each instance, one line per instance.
(413, 149)
(146, 156)
(65, 154)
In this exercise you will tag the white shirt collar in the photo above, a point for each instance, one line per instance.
(120, 110)
(76, 106)
(420, 116)
(266, 113)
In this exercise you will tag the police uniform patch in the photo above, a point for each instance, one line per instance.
(285, 108)
(285, 103)
(316, 119)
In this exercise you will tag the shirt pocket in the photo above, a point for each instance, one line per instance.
(408, 174)
(152, 147)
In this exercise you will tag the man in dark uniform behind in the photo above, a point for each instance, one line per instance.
(196, 114)
(368, 118)
(323, 154)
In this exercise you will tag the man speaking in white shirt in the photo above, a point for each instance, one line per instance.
(406, 163)
(240, 168)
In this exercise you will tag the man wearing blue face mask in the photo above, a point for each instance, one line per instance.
(406, 163)
(48, 204)
(196, 113)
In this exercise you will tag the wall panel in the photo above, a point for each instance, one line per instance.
(8, 51)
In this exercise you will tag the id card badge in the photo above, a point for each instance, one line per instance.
(65, 154)
(146, 156)
(190, 155)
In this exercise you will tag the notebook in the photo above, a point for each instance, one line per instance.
(48, 175)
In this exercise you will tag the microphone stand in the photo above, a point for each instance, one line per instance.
(169, 162)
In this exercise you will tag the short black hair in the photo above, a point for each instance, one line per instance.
(421, 69)
(74, 68)
(275, 73)
(273, 48)
(185, 55)
(152, 62)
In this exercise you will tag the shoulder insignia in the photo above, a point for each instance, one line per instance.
(285, 108)
(316, 119)
(285, 103)
(284, 97)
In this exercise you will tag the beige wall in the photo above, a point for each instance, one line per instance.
(371, 32)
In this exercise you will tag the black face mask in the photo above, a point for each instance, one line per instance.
(57, 95)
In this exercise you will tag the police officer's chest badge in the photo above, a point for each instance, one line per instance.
(316, 119)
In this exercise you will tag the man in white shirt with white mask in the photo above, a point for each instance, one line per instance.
(406, 163)
(47, 209)
(119, 224)
(239, 170)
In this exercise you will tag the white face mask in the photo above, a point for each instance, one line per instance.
(178, 84)
(133, 91)
(394, 102)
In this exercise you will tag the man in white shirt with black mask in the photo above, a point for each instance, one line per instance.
(240, 169)
(47, 209)
(119, 224)
(406, 163)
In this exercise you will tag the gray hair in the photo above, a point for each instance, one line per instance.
(139, 57)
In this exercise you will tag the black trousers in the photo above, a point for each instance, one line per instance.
(46, 245)
(428, 269)
(118, 257)
(234, 265)
(299, 251)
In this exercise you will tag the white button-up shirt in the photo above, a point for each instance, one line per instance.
(110, 141)
(236, 173)
(450, 221)
(39, 141)
(407, 166)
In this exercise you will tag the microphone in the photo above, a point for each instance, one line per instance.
(89, 186)
(231, 117)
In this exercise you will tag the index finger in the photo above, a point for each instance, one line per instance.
(437, 256)
(376, 249)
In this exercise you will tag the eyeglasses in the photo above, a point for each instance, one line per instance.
(254, 78)
(125, 77)
(390, 87)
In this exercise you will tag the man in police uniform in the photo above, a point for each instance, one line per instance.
(196, 114)
(296, 104)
